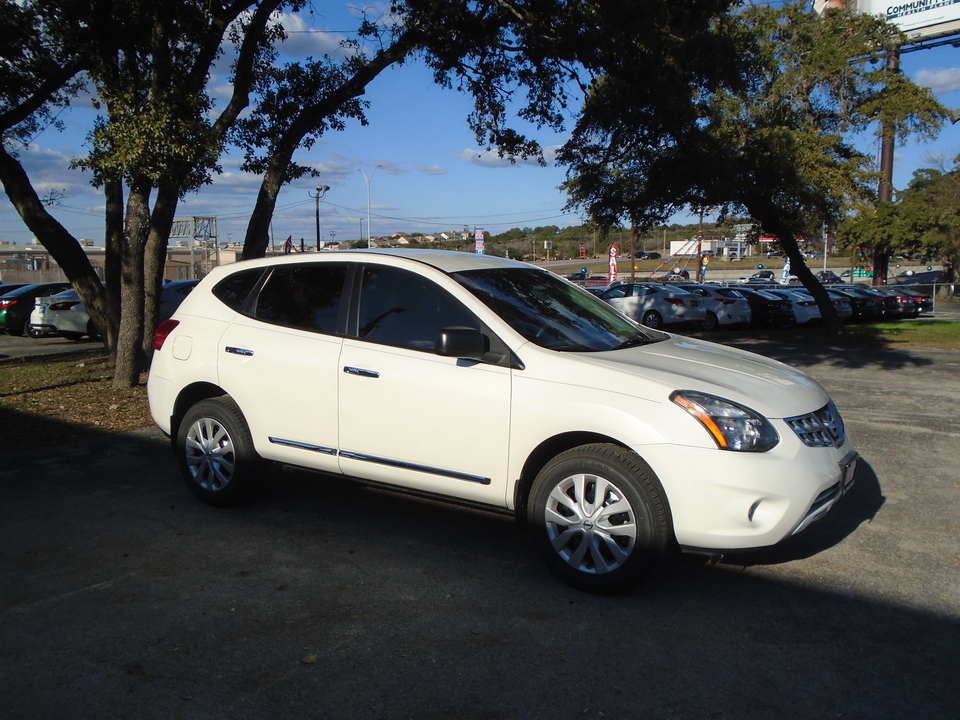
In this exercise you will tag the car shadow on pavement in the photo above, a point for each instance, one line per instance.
(797, 352)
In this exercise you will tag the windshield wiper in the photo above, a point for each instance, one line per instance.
(636, 342)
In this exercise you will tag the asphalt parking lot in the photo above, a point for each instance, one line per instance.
(121, 596)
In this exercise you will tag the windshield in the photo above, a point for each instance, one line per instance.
(552, 312)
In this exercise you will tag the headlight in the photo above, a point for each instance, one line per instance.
(732, 426)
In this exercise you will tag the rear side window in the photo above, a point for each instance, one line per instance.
(234, 290)
(617, 292)
(306, 297)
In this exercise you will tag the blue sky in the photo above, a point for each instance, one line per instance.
(426, 172)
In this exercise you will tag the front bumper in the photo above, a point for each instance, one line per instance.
(725, 501)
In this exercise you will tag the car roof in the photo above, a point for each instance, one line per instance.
(27, 289)
(447, 261)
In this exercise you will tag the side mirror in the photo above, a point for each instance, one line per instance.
(461, 342)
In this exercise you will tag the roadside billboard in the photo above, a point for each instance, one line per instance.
(918, 19)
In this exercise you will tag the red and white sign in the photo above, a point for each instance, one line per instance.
(612, 269)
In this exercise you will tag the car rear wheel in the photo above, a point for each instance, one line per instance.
(710, 322)
(652, 319)
(31, 332)
(600, 518)
(216, 454)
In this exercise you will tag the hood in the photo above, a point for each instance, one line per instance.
(768, 386)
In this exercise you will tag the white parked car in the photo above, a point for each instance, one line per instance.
(495, 383)
(723, 306)
(804, 307)
(64, 314)
(655, 304)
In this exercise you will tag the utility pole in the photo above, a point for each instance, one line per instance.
(321, 191)
(885, 188)
(368, 179)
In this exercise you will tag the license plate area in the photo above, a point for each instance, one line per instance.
(848, 471)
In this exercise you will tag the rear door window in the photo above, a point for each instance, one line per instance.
(305, 297)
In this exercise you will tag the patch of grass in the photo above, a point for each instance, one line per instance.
(76, 391)
(935, 334)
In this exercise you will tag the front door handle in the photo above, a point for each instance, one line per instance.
(361, 372)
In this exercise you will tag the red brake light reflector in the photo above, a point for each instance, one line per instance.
(162, 331)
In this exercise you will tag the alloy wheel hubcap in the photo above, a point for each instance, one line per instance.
(590, 523)
(210, 454)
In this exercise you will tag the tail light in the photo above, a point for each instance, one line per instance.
(726, 301)
(65, 305)
(7, 303)
(674, 301)
(162, 331)
(806, 303)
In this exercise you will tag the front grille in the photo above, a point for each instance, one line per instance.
(823, 428)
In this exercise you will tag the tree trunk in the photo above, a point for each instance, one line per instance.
(798, 266)
(155, 258)
(258, 229)
(113, 236)
(769, 218)
(257, 238)
(130, 358)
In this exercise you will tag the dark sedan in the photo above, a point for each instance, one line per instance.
(923, 302)
(865, 307)
(768, 309)
(906, 307)
(10, 287)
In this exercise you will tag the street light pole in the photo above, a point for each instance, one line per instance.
(321, 191)
(368, 179)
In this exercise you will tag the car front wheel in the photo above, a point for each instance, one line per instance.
(216, 454)
(599, 518)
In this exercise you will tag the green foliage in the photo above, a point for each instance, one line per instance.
(39, 67)
(284, 94)
(766, 128)
(923, 222)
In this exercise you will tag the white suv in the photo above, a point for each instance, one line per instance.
(496, 383)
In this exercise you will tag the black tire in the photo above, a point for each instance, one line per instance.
(586, 544)
(216, 454)
(92, 332)
(75, 336)
(710, 322)
(652, 319)
(30, 332)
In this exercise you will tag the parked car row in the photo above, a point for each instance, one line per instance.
(55, 309)
(770, 305)
(17, 303)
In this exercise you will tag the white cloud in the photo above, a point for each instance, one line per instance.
(939, 81)
(432, 169)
